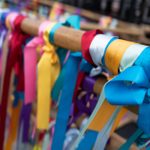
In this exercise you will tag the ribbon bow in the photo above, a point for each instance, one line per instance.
(48, 71)
(132, 85)
(134, 89)
(135, 84)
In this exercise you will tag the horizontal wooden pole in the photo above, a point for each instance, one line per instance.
(64, 37)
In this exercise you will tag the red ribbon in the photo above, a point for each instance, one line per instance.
(15, 59)
(86, 41)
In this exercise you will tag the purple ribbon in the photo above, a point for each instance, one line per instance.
(88, 84)
(86, 102)
(25, 122)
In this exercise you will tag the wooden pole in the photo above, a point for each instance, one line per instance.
(64, 37)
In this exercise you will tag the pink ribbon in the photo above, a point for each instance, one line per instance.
(30, 60)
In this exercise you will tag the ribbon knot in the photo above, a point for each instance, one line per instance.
(50, 50)
(135, 87)
(48, 71)
(138, 92)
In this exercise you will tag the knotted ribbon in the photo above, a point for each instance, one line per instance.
(30, 59)
(71, 70)
(48, 71)
(15, 55)
(90, 49)
(134, 81)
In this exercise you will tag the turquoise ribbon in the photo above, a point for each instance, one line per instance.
(60, 80)
(70, 75)
(88, 141)
(131, 140)
(132, 87)
(62, 54)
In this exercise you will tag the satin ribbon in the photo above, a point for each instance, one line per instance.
(13, 127)
(13, 57)
(71, 135)
(114, 54)
(135, 86)
(93, 125)
(63, 56)
(24, 122)
(48, 137)
(119, 62)
(97, 50)
(100, 138)
(99, 103)
(71, 67)
(96, 113)
(3, 31)
(30, 60)
(134, 81)
(4, 60)
(48, 71)
(86, 42)
(104, 135)
(85, 67)
(130, 141)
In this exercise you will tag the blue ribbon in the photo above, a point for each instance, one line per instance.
(60, 80)
(132, 87)
(71, 71)
(88, 142)
(131, 140)
(62, 54)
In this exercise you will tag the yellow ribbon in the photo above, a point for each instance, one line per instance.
(114, 54)
(36, 147)
(48, 71)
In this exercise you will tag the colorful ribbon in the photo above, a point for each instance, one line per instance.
(71, 67)
(14, 56)
(48, 71)
(30, 59)
(136, 87)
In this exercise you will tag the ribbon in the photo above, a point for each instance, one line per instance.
(3, 31)
(103, 135)
(48, 71)
(24, 122)
(13, 127)
(130, 141)
(135, 86)
(97, 113)
(4, 60)
(13, 57)
(113, 58)
(30, 60)
(140, 85)
(71, 136)
(71, 67)
(86, 41)
(97, 51)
